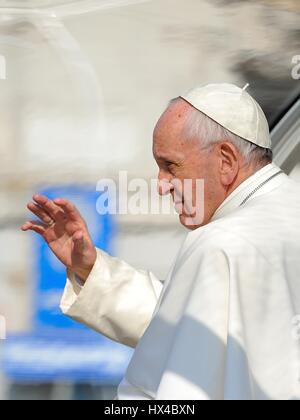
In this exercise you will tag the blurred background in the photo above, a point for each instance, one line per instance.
(82, 85)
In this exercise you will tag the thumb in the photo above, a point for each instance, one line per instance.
(78, 240)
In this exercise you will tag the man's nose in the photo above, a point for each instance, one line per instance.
(164, 187)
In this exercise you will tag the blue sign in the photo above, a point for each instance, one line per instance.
(51, 273)
(65, 355)
(58, 348)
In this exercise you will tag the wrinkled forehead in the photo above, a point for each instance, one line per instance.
(169, 129)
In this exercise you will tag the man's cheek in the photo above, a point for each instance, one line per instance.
(195, 204)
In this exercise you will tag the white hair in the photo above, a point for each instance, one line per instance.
(199, 126)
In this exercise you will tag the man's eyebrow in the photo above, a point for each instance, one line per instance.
(166, 158)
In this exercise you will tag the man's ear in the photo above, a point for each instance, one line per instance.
(229, 163)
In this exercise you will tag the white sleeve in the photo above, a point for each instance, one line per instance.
(117, 300)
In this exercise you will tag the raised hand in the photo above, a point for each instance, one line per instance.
(65, 231)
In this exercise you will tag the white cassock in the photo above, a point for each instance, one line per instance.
(224, 323)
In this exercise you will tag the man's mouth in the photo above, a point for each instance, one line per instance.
(179, 207)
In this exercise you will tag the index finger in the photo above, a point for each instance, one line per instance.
(68, 208)
(50, 207)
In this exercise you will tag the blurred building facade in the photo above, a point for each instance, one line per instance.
(85, 85)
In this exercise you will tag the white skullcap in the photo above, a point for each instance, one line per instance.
(234, 109)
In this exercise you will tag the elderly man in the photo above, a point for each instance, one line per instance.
(221, 325)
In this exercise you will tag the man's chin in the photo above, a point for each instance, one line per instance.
(189, 222)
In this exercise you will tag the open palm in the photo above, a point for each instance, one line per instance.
(65, 231)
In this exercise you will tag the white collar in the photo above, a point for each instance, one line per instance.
(248, 187)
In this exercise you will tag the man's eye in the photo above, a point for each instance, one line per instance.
(170, 164)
